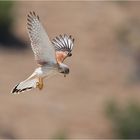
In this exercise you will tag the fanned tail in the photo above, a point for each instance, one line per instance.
(24, 86)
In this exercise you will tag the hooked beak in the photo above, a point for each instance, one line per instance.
(65, 72)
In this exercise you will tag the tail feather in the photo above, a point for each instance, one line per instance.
(24, 86)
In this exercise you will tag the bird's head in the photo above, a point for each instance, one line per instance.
(63, 69)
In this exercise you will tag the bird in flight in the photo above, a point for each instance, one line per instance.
(50, 55)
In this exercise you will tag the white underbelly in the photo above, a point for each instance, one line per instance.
(46, 71)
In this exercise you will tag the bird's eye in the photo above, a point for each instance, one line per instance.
(69, 54)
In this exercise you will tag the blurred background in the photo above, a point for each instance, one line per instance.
(99, 98)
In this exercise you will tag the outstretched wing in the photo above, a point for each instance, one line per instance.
(43, 49)
(63, 46)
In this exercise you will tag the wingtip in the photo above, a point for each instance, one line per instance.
(14, 90)
(32, 14)
(63, 42)
(73, 40)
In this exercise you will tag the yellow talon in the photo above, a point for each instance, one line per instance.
(37, 84)
(40, 84)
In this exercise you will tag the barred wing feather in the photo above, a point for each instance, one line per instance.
(43, 49)
(63, 46)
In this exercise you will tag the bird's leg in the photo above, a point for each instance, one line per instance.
(39, 84)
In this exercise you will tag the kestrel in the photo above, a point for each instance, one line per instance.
(48, 54)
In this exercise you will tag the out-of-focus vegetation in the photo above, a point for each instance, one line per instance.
(6, 17)
(7, 37)
(126, 121)
(128, 37)
(60, 136)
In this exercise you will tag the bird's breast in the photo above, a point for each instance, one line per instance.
(46, 71)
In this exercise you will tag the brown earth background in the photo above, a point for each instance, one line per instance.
(104, 66)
